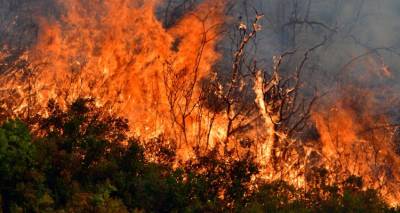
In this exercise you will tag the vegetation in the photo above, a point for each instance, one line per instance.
(81, 160)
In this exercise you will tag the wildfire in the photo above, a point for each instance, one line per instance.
(119, 52)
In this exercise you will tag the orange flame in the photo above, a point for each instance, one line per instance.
(119, 52)
(355, 142)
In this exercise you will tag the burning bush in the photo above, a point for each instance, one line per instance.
(81, 159)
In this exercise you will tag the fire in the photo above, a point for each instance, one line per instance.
(355, 142)
(119, 52)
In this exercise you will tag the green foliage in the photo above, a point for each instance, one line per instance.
(20, 182)
(276, 197)
(81, 160)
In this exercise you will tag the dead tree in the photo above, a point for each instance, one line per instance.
(284, 110)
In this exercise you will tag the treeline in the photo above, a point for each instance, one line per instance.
(82, 160)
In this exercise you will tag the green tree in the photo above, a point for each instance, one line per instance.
(19, 180)
(79, 148)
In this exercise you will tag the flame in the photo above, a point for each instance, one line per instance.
(119, 52)
(356, 142)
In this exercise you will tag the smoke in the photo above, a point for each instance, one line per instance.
(352, 28)
(18, 21)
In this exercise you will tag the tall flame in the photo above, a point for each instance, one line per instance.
(119, 52)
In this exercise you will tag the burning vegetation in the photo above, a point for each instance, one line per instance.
(173, 105)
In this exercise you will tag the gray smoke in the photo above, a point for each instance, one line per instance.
(362, 47)
(19, 21)
(352, 28)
